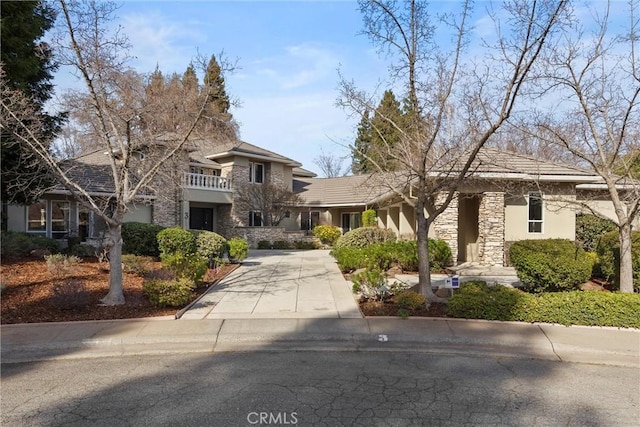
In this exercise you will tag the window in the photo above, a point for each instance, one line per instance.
(256, 172)
(308, 220)
(37, 218)
(535, 212)
(255, 219)
(50, 218)
(350, 221)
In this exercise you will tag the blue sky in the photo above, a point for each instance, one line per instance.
(288, 56)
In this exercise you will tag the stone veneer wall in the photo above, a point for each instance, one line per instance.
(255, 234)
(491, 228)
(166, 206)
(446, 225)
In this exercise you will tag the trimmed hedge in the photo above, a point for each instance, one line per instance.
(238, 249)
(169, 293)
(176, 239)
(15, 244)
(550, 264)
(140, 238)
(476, 300)
(365, 236)
(369, 218)
(210, 245)
(589, 229)
(387, 254)
(609, 257)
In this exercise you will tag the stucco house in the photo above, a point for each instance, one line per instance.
(508, 197)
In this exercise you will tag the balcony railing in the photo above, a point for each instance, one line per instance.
(206, 182)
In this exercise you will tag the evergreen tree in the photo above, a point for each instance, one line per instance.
(190, 79)
(360, 164)
(214, 86)
(27, 66)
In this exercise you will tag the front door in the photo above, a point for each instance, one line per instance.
(201, 219)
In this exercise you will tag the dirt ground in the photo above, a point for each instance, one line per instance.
(28, 294)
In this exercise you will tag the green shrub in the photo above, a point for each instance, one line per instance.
(192, 267)
(238, 249)
(589, 229)
(409, 300)
(306, 244)
(550, 264)
(369, 218)
(609, 257)
(60, 265)
(348, 259)
(16, 244)
(407, 255)
(140, 238)
(169, 293)
(281, 244)
(380, 256)
(476, 300)
(135, 264)
(264, 244)
(328, 234)
(175, 239)
(364, 236)
(371, 283)
(210, 245)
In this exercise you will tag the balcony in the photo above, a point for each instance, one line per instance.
(199, 181)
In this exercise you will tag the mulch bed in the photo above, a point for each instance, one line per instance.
(388, 308)
(28, 296)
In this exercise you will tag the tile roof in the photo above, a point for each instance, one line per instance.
(245, 149)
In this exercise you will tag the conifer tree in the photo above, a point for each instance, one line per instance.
(213, 78)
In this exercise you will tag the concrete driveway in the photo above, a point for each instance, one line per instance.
(280, 284)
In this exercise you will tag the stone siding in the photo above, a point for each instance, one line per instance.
(166, 206)
(491, 228)
(255, 234)
(446, 225)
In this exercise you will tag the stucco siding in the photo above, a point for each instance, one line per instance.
(16, 218)
(138, 213)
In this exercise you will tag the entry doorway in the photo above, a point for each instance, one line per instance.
(201, 218)
(468, 231)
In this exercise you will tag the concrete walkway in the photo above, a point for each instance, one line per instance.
(280, 284)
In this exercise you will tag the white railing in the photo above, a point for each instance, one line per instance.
(207, 182)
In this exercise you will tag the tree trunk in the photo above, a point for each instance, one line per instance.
(424, 273)
(626, 260)
(115, 295)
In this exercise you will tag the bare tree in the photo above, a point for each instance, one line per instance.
(117, 113)
(591, 85)
(330, 164)
(271, 201)
(454, 106)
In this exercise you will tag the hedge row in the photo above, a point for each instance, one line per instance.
(385, 255)
(609, 257)
(476, 300)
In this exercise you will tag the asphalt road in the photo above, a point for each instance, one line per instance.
(317, 389)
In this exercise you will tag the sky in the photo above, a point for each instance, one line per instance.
(288, 55)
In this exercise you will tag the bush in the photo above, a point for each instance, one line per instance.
(135, 264)
(210, 245)
(15, 244)
(409, 300)
(281, 244)
(140, 239)
(609, 257)
(364, 236)
(328, 234)
(169, 293)
(264, 244)
(59, 265)
(369, 218)
(176, 240)
(407, 255)
(191, 267)
(71, 294)
(238, 249)
(371, 283)
(550, 264)
(589, 229)
(439, 254)
(306, 244)
(476, 300)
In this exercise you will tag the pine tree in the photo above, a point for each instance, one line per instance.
(27, 66)
(215, 87)
(190, 79)
(386, 134)
(360, 164)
